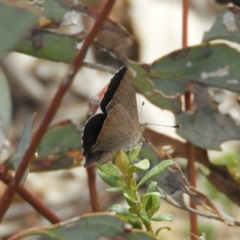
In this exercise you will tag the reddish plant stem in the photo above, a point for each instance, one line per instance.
(31, 199)
(190, 148)
(190, 154)
(185, 24)
(7, 197)
(91, 173)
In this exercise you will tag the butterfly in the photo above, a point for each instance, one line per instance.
(117, 127)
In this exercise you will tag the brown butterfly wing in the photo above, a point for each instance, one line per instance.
(118, 129)
(125, 95)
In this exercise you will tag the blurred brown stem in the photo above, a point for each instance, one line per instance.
(92, 188)
(190, 153)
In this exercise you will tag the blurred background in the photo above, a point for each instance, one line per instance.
(156, 26)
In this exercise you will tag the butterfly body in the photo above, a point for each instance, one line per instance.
(118, 127)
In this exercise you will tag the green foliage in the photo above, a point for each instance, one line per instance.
(102, 226)
(141, 208)
(232, 161)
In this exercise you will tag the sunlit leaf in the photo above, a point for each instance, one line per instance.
(21, 21)
(163, 217)
(146, 88)
(112, 181)
(59, 148)
(143, 164)
(226, 27)
(206, 64)
(110, 169)
(5, 111)
(88, 227)
(206, 127)
(25, 140)
(152, 186)
(154, 171)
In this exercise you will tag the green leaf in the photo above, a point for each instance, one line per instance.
(21, 21)
(110, 169)
(130, 202)
(130, 194)
(114, 189)
(168, 180)
(92, 226)
(163, 217)
(153, 205)
(161, 228)
(154, 171)
(152, 186)
(122, 161)
(134, 220)
(59, 148)
(53, 10)
(144, 216)
(206, 127)
(135, 209)
(121, 210)
(5, 104)
(131, 170)
(226, 27)
(133, 183)
(153, 93)
(51, 47)
(143, 164)
(112, 181)
(136, 223)
(25, 140)
(206, 64)
(145, 197)
(134, 153)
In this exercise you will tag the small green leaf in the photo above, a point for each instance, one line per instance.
(147, 196)
(161, 228)
(25, 140)
(130, 203)
(144, 216)
(114, 189)
(154, 171)
(130, 194)
(131, 217)
(152, 186)
(110, 180)
(136, 223)
(131, 170)
(143, 164)
(122, 161)
(121, 210)
(163, 217)
(5, 108)
(110, 169)
(133, 183)
(134, 153)
(153, 204)
(135, 209)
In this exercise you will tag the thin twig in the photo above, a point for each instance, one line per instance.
(91, 173)
(7, 197)
(190, 148)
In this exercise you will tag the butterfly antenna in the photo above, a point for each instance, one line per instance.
(174, 126)
(141, 110)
